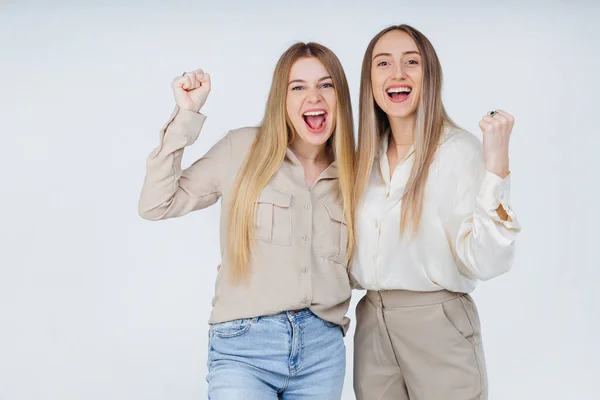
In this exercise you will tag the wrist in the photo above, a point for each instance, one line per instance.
(498, 167)
(191, 108)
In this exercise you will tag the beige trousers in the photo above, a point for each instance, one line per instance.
(418, 346)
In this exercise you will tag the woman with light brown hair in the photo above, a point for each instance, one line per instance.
(433, 217)
(278, 317)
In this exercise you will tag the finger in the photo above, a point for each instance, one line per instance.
(179, 81)
(193, 81)
(198, 71)
(509, 117)
(186, 82)
(190, 81)
(206, 81)
(203, 78)
(183, 82)
(494, 121)
(501, 119)
(485, 126)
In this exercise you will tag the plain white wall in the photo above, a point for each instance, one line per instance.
(96, 303)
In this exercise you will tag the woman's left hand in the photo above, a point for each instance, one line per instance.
(496, 131)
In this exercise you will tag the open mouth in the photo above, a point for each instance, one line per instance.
(315, 120)
(398, 94)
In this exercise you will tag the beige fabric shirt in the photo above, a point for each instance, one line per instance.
(298, 258)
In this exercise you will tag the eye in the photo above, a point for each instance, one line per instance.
(297, 87)
(412, 62)
(382, 64)
(327, 85)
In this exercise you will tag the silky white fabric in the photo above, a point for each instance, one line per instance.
(460, 239)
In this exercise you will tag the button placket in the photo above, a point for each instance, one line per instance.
(306, 226)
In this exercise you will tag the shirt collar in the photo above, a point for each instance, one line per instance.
(331, 172)
(384, 166)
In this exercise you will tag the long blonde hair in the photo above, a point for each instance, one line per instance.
(269, 148)
(430, 120)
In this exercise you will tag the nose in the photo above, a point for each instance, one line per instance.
(399, 72)
(313, 96)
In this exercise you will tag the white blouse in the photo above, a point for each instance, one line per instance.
(460, 239)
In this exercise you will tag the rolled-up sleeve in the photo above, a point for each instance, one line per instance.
(168, 191)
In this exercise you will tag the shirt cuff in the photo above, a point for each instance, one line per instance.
(186, 123)
(494, 191)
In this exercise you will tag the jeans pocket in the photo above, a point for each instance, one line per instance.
(232, 328)
(329, 324)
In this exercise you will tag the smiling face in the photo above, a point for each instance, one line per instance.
(311, 102)
(397, 74)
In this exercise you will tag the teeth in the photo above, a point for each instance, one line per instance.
(400, 90)
(314, 113)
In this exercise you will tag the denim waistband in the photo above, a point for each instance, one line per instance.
(290, 315)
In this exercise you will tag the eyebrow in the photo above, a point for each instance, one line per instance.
(389, 54)
(303, 81)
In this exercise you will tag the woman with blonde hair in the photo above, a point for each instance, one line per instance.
(433, 217)
(278, 317)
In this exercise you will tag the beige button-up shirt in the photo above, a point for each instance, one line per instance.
(298, 258)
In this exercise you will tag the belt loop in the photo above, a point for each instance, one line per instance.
(380, 299)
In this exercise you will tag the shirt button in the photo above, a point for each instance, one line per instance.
(305, 302)
(307, 206)
(305, 238)
(304, 270)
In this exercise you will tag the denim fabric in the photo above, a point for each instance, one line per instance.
(288, 356)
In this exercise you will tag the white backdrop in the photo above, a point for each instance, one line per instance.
(96, 303)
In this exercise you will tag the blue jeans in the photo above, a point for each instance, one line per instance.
(288, 356)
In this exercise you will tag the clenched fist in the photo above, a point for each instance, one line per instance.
(191, 90)
(496, 129)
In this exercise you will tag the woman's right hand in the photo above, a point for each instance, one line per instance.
(191, 90)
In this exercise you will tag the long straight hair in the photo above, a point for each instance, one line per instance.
(269, 148)
(431, 117)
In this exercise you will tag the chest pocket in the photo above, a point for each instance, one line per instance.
(335, 241)
(274, 217)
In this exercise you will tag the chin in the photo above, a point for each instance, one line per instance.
(315, 139)
(400, 113)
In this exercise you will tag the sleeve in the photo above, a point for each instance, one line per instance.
(483, 241)
(168, 191)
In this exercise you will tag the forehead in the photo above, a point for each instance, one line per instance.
(308, 68)
(395, 42)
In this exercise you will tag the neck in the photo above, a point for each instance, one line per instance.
(403, 130)
(309, 152)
